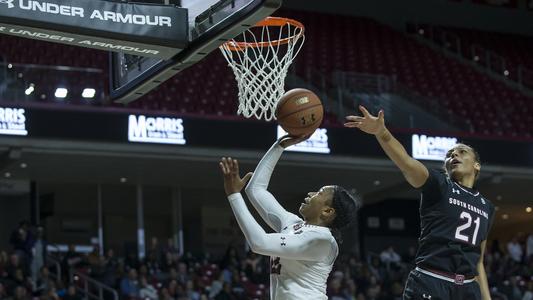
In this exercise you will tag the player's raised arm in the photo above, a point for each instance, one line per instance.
(306, 246)
(263, 201)
(414, 171)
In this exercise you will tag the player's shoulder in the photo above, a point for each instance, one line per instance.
(436, 178)
(318, 232)
(438, 173)
(293, 223)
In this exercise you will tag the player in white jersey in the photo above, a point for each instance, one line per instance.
(302, 250)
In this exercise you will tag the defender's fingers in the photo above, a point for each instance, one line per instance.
(364, 111)
(236, 166)
(354, 118)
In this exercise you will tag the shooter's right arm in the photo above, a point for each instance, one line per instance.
(257, 190)
(414, 171)
(264, 202)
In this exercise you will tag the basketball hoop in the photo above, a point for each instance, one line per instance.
(260, 61)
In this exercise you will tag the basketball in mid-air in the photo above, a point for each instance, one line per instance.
(299, 112)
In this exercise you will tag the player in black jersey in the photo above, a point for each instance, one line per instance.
(455, 218)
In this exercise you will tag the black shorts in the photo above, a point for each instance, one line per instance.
(421, 286)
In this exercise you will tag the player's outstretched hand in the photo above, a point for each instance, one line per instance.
(233, 183)
(288, 140)
(367, 123)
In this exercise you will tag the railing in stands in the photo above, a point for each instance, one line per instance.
(525, 77)
(92, 289)
(55, 272)
(382, 92)
(492, 62)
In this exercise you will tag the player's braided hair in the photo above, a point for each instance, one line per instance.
(346, 206)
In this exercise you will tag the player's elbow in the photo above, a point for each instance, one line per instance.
(249, 190)
(257, 245)
(415, 173)
(252, 191)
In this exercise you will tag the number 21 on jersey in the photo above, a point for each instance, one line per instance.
(460, 232)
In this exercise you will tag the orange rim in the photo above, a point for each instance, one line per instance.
(269, 21)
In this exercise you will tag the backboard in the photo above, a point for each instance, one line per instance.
(211, 23)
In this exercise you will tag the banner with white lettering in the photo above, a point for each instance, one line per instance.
(159, 130)
(431, 147)
(159, 31)
(317, 143)
(12, 121)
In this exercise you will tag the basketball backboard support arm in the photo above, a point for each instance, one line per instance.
(216, 25)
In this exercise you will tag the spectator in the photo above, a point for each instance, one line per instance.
(154, 247)
(168, 263)
(173, 289)
(529, 246)
(110, 269)
(21, 237)
(334, 290)
(495, 248)
(389, 256)
(131, 261)
(129, 286)
(231, 258)
(182, 273)
(39, 253)
(21, 240)
(153, 265)
(253, 267)
(225, 293)
(410, 255)
(190, 291)
(147, 290)
(171, 247)
(72, 293)
(3, 292)
(71, 260)
(528, 295)
(43, 282)
(165, 295)
(4, 263)
(21, 293)
(515, 250)
(94, 257)
(143, 272)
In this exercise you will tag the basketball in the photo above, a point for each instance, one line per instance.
(299, 112)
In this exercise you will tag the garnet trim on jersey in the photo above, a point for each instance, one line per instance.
(458, 279)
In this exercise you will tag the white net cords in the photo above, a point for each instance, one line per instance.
(260, 71)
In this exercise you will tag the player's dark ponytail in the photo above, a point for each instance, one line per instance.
(346, 206)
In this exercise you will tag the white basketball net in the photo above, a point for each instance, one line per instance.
(261, 69)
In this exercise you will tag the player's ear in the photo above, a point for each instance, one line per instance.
(328, 213)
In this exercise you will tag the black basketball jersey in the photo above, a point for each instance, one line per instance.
(454, 220)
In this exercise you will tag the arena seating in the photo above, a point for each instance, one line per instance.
(515, 48)
(364, 45)
(346, 44)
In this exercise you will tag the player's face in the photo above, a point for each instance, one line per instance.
(315, 202)
(461, 161)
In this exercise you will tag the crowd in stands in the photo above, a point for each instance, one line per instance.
(166, 274)
(24, 272)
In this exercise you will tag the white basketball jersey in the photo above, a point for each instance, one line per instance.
(292, 279)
